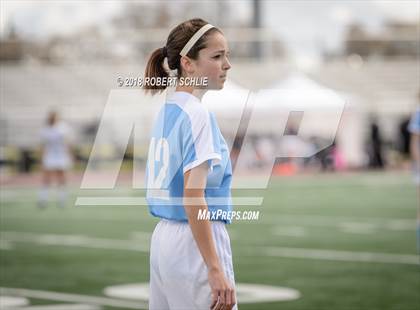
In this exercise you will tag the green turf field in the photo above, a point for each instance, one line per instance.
(342, 241)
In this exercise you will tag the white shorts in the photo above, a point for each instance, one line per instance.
(178, 274)
(56, 163)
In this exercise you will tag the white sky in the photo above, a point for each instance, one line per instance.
(42, 18)
(304, 25)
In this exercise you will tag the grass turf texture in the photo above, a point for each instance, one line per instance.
(319, 206)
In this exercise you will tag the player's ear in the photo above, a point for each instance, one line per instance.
(187, 65)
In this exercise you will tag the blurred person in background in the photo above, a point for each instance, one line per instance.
(376, 159)
(414, 129)
(56, 159)
(403, 139)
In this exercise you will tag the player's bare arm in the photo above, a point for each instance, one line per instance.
(194, 184)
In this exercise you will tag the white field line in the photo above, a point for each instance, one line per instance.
(58, 307)
(278, 219)
(335, 255)
(289, 231)
(76, 217)
(358, 228)
(339, 222)
(346, 256)
(86, 299)
(116, 201)
(24, 195)
(75, 240)
(135, 235)
(5, 245)
(141, 201)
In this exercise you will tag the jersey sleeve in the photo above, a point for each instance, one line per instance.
(200, 142)
(414, 125)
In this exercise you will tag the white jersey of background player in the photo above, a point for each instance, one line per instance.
(56, 158)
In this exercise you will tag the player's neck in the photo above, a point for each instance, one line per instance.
(199, 93)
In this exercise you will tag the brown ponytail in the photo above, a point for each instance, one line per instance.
(155, 68)
(177, 39)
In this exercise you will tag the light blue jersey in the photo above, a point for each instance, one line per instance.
(414, 128)
(185, 135)
(414, 125)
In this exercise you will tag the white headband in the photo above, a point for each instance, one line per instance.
(194, 39)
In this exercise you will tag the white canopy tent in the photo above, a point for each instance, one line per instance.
(325, 114)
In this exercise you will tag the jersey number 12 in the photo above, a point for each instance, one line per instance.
(158, 152)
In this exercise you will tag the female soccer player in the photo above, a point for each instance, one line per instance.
(56, 158)
(188, 175)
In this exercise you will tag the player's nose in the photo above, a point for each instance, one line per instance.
(226, 65)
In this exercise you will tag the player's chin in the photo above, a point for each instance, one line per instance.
(216, 82)
(221, 83)
(216, 86)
